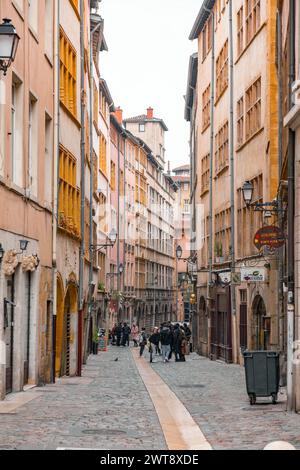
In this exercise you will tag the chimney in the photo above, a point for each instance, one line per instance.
(119, 115)
(150, 113)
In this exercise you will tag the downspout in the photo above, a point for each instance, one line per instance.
(82, 194)
(232, 192)
(91, 161)
(56, 185)
(291, 215)
(212, 132)
(118, 231)
(280, 309)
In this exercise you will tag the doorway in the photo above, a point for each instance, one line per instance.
(261, 325)
(9, 331)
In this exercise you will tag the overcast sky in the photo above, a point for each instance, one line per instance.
(147, 62)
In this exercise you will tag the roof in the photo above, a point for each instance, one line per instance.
(201, 19)
(182, 168)
(191, 85)
(143, 118)
(107, 94)
(181, 179)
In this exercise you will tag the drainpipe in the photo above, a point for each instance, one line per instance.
(55, 179)
(96, 28)
(232, 192)
(211, 167)
(82, 194)
(118, 230)
(280, 309)
(291, 215)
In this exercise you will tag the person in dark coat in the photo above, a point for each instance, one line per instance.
(119, 334)
(125, 334)
(177, 338)
(143, 341)
(165, 338)
(154, 343)
(188, 335)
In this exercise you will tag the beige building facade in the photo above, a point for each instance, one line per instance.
(233, 115)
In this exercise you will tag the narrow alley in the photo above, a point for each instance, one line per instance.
(115, 410)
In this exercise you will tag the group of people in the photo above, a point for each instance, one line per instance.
(166, 341)
(169, 339)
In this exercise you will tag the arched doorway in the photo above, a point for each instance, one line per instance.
(261, 325)
(69, 352)
(59, 324)
(202, 327)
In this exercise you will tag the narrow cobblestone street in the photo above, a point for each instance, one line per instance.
(110, 408)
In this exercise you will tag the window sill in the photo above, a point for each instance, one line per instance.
(18, 10)
(70, 114)
(75, 10)
(250, 42)
(221, 171)
(205, 191)
(48, 59)
(34, 34)
(205, 128)
(244, 144)
(220, 96)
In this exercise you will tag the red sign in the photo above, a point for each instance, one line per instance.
(269, 236)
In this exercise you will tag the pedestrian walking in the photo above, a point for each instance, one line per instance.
(135, 335)
(165, 341)
(142, 341)
(125, 335)
(188, 335)
(113, 334)
(183, 346)
(178, 336)
(119, 329)
(154, 343)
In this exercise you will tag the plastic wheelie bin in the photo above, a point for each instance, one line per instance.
(262, 374)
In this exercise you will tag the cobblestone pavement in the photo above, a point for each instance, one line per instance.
(108, 408)
(215, 395)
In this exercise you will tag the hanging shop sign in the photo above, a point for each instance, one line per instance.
(253, 274)
(270, 236)
(225, 278)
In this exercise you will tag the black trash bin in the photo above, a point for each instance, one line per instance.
(262, 374)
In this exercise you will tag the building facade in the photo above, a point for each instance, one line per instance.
(234, 119)
(182, 177)
(26, 192)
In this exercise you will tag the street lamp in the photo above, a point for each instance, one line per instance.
(111, 240)
(179, 252)
(113, 236)
(1, 253)
(23, 245)
(269, 208)
(9, 40)
(248, 189)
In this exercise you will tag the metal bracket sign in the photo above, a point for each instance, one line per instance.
(270, 236)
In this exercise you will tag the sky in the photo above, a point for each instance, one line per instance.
(147, 62)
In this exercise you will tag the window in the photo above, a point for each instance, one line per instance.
(121, 183)
(207, 38)
(142, 127)
(252, 18)
(69, 195)
(102, 154)
(240, 121)
(222, 148)
(75, 5)
(253, 109)
(32, 146)
(17, 132)
(103, 104)
(95, 104)
(222, 235)
(222, 71)
(206, 109)
(240, 31)
(186, 206)
(205, 171)
(112, 175)
(33, 14)
(68, 74)
(49, 28)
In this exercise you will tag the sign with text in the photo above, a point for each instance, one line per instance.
(270, 236)
(253, 274)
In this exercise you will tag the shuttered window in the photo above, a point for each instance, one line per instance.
(69, 194)
(68, 73)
